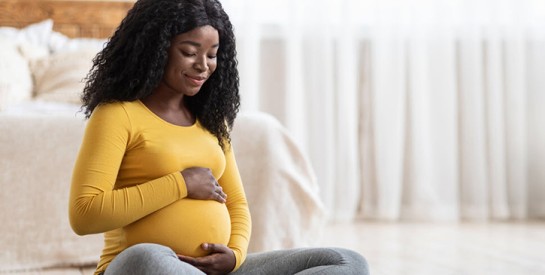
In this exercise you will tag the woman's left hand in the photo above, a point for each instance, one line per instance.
(221, 259)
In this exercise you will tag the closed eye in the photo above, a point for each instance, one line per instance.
(187, 54)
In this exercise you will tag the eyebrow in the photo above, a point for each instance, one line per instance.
(193, 43)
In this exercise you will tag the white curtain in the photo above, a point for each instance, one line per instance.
(408, 110)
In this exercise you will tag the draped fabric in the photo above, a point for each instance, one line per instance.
(408, 110)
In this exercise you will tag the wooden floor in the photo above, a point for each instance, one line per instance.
(438, 249)
(465, 248)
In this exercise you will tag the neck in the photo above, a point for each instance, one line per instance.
(167, 97)
(169, 105)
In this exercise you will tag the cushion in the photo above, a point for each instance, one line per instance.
(17, 46)
(60, 76)
(34, 38)
(15, 77)
(58, 42)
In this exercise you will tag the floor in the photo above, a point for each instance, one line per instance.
(438, 249)
(465, 248)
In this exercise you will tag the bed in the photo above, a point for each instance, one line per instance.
(46, 48)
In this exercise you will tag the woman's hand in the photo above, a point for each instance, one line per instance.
(202, 185)
(220, 261)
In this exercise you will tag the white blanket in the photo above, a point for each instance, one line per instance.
(37, 153)
(279, 182)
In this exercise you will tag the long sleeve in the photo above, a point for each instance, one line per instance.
(241, 223)
(95, 205)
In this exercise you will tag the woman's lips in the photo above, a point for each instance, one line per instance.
(196, 80)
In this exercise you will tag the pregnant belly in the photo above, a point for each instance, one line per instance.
(183, 226)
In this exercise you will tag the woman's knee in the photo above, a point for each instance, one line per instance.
(147, 251)
(140, 257)
(334, 260)
(352, 260)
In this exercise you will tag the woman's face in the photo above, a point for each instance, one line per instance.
(191, 60)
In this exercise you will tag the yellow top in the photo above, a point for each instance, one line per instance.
(127, 184)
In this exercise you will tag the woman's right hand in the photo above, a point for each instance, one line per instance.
(202, 185)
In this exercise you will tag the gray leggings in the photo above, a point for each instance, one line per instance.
(160, 260)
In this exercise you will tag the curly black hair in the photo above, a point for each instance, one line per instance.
(131, 64)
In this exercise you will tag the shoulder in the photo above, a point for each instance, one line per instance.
(115, 109)
(112, 113)
(110, 122)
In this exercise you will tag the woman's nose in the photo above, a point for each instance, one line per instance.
(201, 64)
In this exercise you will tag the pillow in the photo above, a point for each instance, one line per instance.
(15, 76)
(17, 46)
(59, 76)
(37, 35)
(58, 42)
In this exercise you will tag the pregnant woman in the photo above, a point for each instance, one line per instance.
(156, 172)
